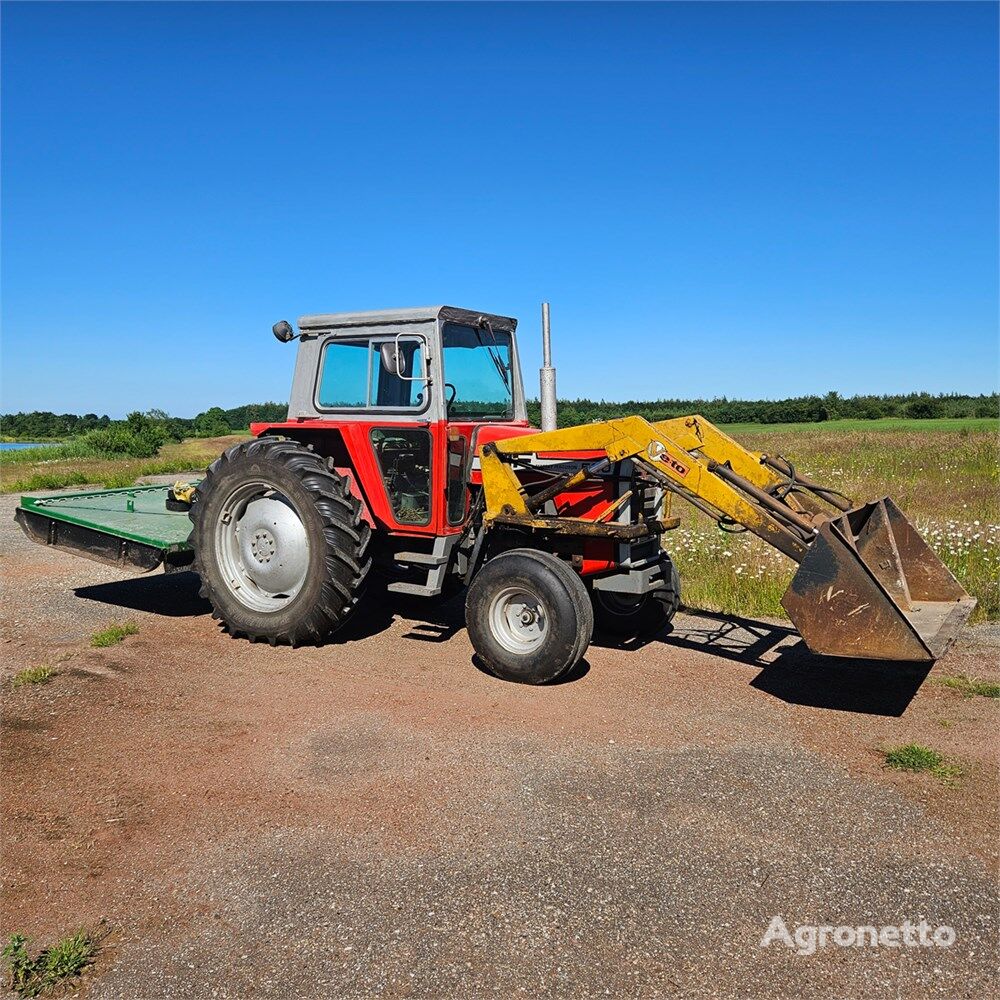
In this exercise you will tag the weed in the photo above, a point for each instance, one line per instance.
(32, 675)
(113, 634)
(970, 686)
(948, 773)
(65, 960)
(914, 757)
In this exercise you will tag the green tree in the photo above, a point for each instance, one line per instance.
(212, 423)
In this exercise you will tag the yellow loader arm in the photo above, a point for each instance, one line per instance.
(867, 584)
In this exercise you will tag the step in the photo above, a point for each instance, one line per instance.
(416, 589)
(419, 558)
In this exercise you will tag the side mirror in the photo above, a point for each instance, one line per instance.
(393, 359)
(283, 331)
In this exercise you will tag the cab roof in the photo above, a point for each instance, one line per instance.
(396, 317)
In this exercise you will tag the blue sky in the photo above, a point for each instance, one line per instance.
(749, 200)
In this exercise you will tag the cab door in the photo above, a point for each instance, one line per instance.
(378, 386)
(404, 452)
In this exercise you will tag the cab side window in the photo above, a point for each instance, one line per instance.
(343, 382)
(354, 375)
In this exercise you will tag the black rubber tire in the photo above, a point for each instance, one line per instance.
(338, 551)
(648, 614)
(562, 594)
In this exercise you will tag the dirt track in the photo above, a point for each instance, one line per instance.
(379, 816)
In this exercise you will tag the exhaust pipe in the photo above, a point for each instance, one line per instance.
(547, 375)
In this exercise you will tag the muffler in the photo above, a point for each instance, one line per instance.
(869, 586)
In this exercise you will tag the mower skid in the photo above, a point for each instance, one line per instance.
(870, 587)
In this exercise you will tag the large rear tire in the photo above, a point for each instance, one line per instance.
(529, 616)
(628, 615)
(279, 543)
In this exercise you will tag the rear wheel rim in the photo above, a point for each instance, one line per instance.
(518, 620)
(261, 547)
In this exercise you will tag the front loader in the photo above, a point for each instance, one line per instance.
(407, 455)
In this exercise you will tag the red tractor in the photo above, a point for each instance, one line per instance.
(377, 467)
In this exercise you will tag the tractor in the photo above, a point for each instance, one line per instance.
(407, 455)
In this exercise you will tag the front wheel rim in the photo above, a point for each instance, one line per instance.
(261, 547)
(518, 620)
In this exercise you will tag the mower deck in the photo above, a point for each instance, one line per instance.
(127, 527)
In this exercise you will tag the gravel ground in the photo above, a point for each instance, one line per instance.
(379, 817)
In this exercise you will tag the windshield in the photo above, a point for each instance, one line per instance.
(477, 363)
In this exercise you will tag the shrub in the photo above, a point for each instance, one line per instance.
(122, 439)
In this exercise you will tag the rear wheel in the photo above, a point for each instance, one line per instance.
(529, 616)
(638, 614)
(279, 543)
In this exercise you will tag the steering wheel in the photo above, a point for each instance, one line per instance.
(451, 398)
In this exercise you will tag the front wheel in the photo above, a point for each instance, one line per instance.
(529, 616)
(631, 615)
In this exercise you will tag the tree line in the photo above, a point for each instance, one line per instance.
(798, 409)
(41, 425)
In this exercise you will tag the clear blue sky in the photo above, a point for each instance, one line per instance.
(749, 200)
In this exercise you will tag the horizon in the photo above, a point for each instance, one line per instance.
(743, 201)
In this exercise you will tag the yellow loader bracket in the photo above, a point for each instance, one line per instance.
(868, 586)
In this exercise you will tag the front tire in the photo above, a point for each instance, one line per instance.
(529, 616)
(279, 543)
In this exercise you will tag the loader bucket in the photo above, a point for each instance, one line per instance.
(869, 586)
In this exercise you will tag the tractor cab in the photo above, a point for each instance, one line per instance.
(400, 401)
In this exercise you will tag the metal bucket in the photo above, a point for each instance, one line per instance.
(870, 586)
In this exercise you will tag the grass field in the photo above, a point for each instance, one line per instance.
(58, 466)
(953, 424)
(942, 473)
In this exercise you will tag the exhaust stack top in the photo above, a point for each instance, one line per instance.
(547, 375)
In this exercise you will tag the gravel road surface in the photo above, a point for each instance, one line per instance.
(380, 817)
